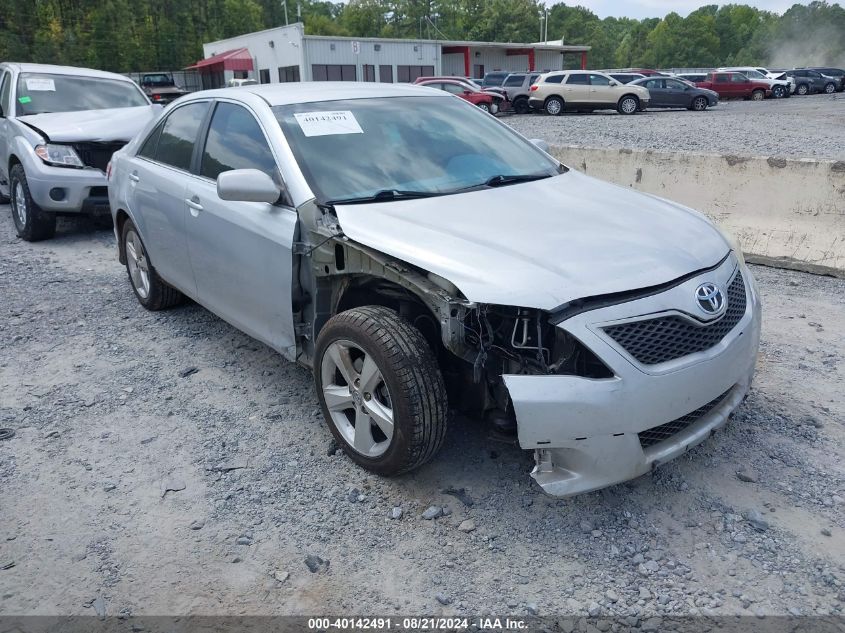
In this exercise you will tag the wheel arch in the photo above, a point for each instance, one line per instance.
(120, 219)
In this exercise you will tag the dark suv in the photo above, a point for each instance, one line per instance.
(836, 73)
(811, 81)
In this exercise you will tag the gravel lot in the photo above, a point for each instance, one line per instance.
(168, 464)
(796, 127)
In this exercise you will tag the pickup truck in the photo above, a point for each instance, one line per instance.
(160, 87)
(735, 85)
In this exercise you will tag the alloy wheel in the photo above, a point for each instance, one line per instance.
(139, 267)
(802, 89)
(700, 104)
(553, 106)
(628, 105)
(20, 203)
(829, 88)
(357, 398)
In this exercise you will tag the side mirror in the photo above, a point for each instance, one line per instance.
(540, 143)
(247, 185)
(613, 82)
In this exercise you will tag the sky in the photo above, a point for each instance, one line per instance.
(658, 8)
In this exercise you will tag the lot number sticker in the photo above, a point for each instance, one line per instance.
(326, 123)
(41, 85)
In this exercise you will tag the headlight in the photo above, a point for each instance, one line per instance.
(59, 155)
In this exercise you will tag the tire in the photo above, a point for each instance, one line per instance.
(484, 106)
(699, 104)
(33, 224)
(829, 88)
(404, 424)
(802, 89)
(628, 104)
(520, 106)
(151, 291)
(554, 106)
(758, 95)
(778, 92)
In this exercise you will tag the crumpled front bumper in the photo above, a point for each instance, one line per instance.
(586, 432)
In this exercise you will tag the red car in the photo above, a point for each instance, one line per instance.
(487, 101)
(733, 85)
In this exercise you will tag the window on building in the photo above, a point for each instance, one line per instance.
(176, 144)
(240, 74)
(409, 74)
(385, 74)
(235, 141)
(369, 72)
(288, 74)
(264, 75)
(333, 72)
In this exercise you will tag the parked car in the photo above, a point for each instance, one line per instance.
(692, 77)
(733, 85)
(518, 88)
(502, 105)
(581, 90)
(237, 82)
(375, 224)
(161, 88)
(779, 88)
(811, 81)
(626, 78)
(667, 92)
(487, 101)
(58, 129)
(836, 73)
(494, 79)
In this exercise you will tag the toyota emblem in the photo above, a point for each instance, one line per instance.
(710, 298)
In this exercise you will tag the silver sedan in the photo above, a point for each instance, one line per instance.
(421, 258)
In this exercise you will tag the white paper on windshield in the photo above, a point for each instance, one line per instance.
(326, 123)
(41, 85)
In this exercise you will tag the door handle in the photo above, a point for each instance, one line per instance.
(134, 177)
(194, 204)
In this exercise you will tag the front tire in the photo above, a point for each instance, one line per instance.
(554, 106)
(484, 106)
(151, 291)
(758, 95)
(778, 92)
(380, 390)
(699, 104)
(32, 223)
(628, 104)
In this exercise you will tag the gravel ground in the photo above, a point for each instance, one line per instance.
(796, 127)
(168, 464)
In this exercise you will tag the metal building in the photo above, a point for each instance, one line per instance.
(286, 54)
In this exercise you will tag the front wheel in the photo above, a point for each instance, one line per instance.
(778, 92)
(829, 88)
(380, 390)
(32, 223)
(628, 105)
(758, 95)
(699, 104)
(484, 106)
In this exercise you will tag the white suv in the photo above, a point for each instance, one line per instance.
(582, 90)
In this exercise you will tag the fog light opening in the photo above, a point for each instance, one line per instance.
(58, 194)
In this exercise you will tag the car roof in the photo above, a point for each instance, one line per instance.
(65, 70)
(313, 91)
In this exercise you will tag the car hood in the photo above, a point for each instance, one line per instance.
(541, 244)
(115, 124)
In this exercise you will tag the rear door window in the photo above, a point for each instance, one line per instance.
(179, 135)
(235, 141)
(579, 79)
(514, 81)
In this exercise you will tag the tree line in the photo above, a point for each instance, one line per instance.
(129, 35)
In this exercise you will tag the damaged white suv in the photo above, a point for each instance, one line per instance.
(421, 257)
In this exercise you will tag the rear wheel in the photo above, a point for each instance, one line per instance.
(830, 88)
(520, 106)
(628, 104)
(802, 89)
(778, 92)
(699, 104)
(152, 292)
(31, 221)
(380, 390)
(554, 106)
(758, 95)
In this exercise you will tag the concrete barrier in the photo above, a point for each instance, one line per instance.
(784, 212)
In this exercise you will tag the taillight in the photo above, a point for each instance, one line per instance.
(156, 97)
(533, 88)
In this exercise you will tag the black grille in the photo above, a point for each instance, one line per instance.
(654, 341)
(97, 154)
(655, 435)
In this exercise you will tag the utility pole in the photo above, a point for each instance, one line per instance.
(285, 5)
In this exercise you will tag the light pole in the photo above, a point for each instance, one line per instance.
(285, 5)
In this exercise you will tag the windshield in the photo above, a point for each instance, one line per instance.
(429, 145)
(39, 93)
(158, 80)
(753, 73)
